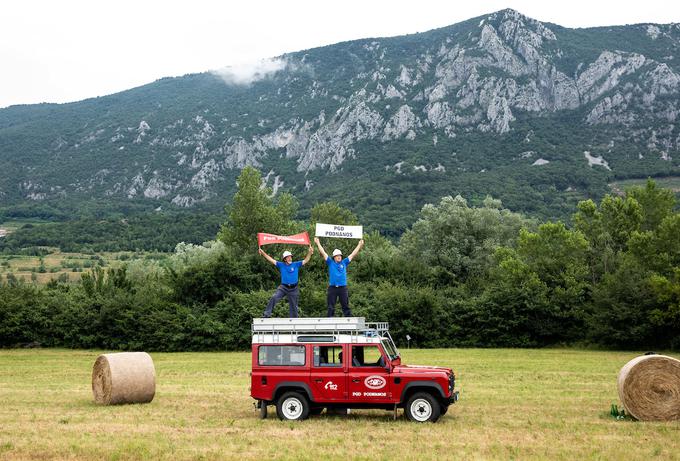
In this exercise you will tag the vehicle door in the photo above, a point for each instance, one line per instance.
(278, 363)
(328, 372)
(368, 377)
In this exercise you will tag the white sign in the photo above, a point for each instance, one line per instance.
(338, 231)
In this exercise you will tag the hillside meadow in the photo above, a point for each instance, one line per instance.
(56, 265)
(515, 404)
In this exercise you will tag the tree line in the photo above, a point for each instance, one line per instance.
(460, 276)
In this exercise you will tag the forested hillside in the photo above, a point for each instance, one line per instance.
(537, 115)
(462, 275)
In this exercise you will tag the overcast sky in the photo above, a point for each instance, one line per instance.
(67, 50)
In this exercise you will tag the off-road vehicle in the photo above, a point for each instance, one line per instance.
(306, 365)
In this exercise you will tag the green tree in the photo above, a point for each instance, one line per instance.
(666, 317)
(512, 311)
(332, 213)
(620, 217)
(608, 229)
(657, 203)
(461, 240)
(557, 256)
(622, 303)
(253, 210)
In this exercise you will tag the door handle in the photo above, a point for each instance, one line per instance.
(318, 380)
(356, 380)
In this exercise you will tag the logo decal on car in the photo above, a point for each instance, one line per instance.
(332, 386)
(375, 382)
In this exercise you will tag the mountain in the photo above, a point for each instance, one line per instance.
(532, 113)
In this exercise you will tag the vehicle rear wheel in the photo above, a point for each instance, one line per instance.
(263, 409)
(422, 407)
(292, 406)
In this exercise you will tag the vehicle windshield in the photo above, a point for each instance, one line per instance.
(389, 347)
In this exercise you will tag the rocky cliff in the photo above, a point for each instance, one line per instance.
(467, 108)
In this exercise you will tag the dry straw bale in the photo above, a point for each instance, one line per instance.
(649, 388)
(125, 377)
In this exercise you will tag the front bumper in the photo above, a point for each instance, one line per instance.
(454, 397)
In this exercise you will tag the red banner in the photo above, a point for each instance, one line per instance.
(297, 239)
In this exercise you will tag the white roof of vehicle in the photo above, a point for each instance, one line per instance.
(305, 338)
(309, 324)
(338, 330)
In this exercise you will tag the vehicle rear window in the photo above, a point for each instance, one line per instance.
(281, 355)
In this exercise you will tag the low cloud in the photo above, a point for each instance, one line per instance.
(249, 72)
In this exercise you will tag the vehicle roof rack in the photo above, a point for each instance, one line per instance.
(356, 327)
(309, 324)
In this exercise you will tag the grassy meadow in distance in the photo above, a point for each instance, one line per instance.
(670, 182)
(515, 404)
(63, 266)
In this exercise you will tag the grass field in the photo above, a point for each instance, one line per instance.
(515, 404)
(63, 266)
(670, 182)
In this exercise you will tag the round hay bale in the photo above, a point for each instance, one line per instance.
(125, 377)
(649, 388)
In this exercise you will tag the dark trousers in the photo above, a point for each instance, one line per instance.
(284, 292)
(332, 296)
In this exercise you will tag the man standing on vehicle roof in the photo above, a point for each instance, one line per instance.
(337, 275)
(289, 281)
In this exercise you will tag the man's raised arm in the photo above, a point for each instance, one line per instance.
(310, 252)
(323, 254)
(359, 246)
(266, 256)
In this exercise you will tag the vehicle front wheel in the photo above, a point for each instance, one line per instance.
(422, 407)
(292, 406)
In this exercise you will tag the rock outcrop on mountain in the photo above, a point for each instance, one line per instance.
(466, 99)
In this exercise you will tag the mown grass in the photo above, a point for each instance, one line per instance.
(669, 182)
(64, 266)
(516, 404)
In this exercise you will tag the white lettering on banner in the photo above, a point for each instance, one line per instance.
(273, 238)
(339, 231)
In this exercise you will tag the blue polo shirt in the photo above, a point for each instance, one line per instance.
(289, 272)
(337, 272)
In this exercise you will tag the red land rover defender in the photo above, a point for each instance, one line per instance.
(304, 365)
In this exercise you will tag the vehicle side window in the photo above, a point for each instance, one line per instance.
(367, 356)
(327, 356)
(281, 355)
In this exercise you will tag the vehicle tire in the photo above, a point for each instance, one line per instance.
(422, 407)
(292, 406)
(444, 409)
(263, 409)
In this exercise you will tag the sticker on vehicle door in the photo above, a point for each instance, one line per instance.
(375, 382)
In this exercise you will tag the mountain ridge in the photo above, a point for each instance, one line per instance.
(534, 113)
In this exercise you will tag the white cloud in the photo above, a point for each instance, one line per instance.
(248, 72)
